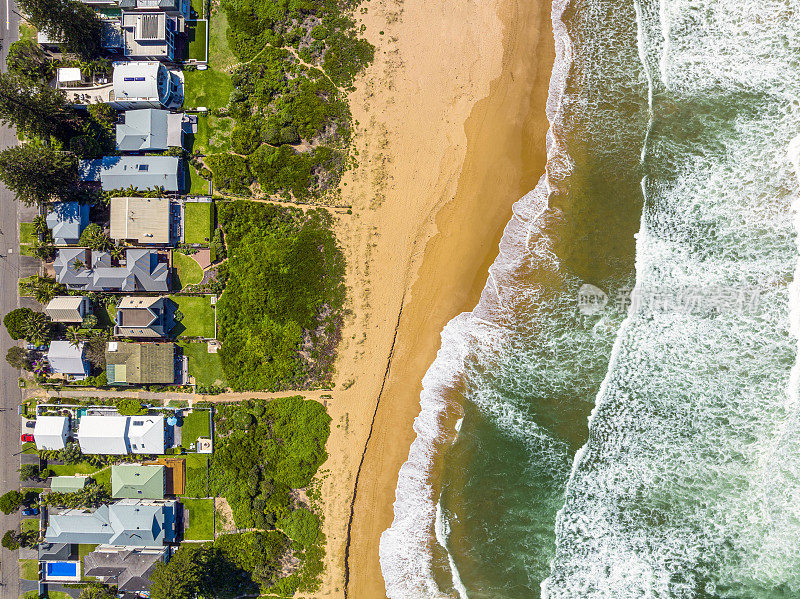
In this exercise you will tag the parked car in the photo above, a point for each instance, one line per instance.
(30, 424)
(27, 438)
(30, 511)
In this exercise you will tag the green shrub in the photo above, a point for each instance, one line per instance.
(130, 407)
(301, 526)
(231, 173)
(245, 137)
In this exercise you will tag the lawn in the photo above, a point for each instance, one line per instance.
(27, 233)
(72, 469)
(198, 316)
(30, 524)
(103, 477)
(27, 31)
(196, 185)
(201, 518)
(211, 89)
(213, 134)
(197, 30)
(29, 569)
(187, 271)
(220, 56)
(195, 425)
(29, 448)
(196, 475)
(106, 315)
(206, 368)
(197, 222)
(197, 9)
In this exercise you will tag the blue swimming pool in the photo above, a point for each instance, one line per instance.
(62, 569)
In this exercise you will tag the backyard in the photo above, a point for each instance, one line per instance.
(187, 271)
(72, 469)
(201, 519)
(198, 316)
(196, 424)
(198, 221)
(210, 89)
(197, 31)
(206, 368)
(197, 185)
(196, 475)
(213, 134)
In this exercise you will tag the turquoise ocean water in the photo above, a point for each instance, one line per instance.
(646, 444)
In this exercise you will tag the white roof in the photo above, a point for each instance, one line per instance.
(134, 80)
(66, 358)
(121, 435)
(69, 74)
(50, 432)
(103, 434)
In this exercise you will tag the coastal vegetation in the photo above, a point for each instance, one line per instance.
(280, 314)
(291, 124)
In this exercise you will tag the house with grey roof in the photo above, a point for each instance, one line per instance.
(128, 523)
(91, 270)
(145, 84)
(143, 317)
(127, 568)
(137, 172)
(67, 359)
(67, 220)
(121, 435)
(68, 308)
(151, 35)
(57, 552)
(149, 130)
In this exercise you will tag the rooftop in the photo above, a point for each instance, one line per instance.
(140, 363)
(138, 172)
(143, 220)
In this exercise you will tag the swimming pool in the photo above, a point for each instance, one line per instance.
(61, 570)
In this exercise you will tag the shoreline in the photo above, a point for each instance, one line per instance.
(444, 152)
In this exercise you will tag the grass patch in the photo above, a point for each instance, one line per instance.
(103, 477)
(197, 33)
(187, 271)
(198, 316)
(220, 56)
(27, 233)
(213, 134)
(30, 525)
(210, 88)
(29, 569)
(27, 31)
(201, 518)
(196, 185)
(85, 549)
(196, 475)
(195, 425)
(106, 315)
(198, 221)
(72, 469)
(29, 448)
(206, 368)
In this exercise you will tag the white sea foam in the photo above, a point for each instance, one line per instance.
(689, 484)
(442, 530)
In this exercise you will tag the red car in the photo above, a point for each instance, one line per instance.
(27, 438)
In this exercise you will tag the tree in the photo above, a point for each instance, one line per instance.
(15, 322)
(29, 472)
(96, 238)
(71, 454)
(72, 21)
(181, 577)
(74, 335)
(18, 357)
(38, 173)
(27, 59)
(96, 591)
(10, 540)
(38, 328)
(130, 407)
(42, 289)
(95, 350)
(11, 501)
(89, 321)
(36, 109)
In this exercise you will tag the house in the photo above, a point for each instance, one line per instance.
(68, 308)
(57, 552)
(151, 35)
(144, 221)
(65, 358)
(145, 84)
(90, 270)
(149, 130)
(172, 7)
(143, 317)
(68, 484)
(140, 363)
(137, 172)
(127, 523)
(67, 220)
(121, 435)
(51, 432)
(132, 481)
(127, 568)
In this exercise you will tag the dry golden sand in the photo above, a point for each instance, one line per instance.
(451, 131)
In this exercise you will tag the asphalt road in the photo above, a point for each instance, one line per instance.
(9, 388)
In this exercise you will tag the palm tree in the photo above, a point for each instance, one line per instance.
(37, 327)
(74, 336)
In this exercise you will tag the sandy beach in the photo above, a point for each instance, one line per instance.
(450, 132)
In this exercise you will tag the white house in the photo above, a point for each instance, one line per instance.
(67, 359)
(51, 432)
(121, 435)
(143, 84)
